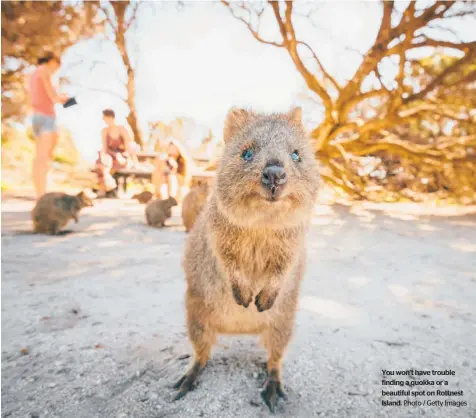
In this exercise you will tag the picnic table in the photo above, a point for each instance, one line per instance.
(147, 155)
(145, 173)
(122, 175)
(201, 162)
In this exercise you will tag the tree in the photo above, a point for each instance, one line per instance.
(28, 30)
(349, 131)
(120, 15)
(27, 34)
(444, 129)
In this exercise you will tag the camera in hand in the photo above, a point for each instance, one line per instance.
(70, 102)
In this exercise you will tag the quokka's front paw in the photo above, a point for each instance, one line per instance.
(242, 295)
(264, 300)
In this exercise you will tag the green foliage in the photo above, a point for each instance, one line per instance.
(15, 144)
(5, 186)
(29, 29)
(64, 159)
(19, 146)
(66, 152)
(29, 133)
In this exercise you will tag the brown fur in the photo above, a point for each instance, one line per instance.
(143, 197)
(193, 204)
(244, 258)
(54, 210)
(158, 211)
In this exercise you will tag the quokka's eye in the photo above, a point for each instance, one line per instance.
(295, 156)
(247, 154)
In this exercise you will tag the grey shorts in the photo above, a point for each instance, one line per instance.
(42, 124)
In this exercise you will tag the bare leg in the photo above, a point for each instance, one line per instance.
(54, 142)
(103, 170)
(45, 144)
(100, 172)
(202, 336)
(173, 185)
(109, 182)
(159, 179)
(183, 187)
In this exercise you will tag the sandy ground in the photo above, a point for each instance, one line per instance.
(99, 317)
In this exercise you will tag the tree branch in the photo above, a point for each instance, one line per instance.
(254, 32)
(423, 42)
(321, 67)
(379, 77)
(372, 58)
(290, 43)
(112, 93)
(282, 28)
(352, 103)
(438, 80)
(135, 8)
(108, 18)
(390, 141)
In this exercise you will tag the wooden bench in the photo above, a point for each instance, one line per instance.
(147, 155)
(125, 173)
(122, 176)
(198, 172)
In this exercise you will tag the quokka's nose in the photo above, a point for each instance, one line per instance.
(273, 176)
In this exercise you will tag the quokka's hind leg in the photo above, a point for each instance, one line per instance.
(53, 228)
(275, 339)
(202, 337)
(36, 227)
(65, 232)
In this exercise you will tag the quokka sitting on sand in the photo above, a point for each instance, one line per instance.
(158, 211)
(143, 197)
(193, 204)
(54, 210)
(244, 259)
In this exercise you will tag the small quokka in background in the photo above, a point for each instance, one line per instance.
(158, 211)
(193, 204)
(54, 210)
(245, 257)
(143, 197)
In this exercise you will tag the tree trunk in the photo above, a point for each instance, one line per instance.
(133, 123)
(120, 40)
(132, 119)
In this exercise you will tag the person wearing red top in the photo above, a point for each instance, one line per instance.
(116, 153)
(43, 100)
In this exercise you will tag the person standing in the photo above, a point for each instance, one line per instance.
(43, 100)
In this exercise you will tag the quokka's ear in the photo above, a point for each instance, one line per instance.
(236, 120)
(295, 115)
(80, 194)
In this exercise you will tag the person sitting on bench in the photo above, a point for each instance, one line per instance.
(117, 152)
